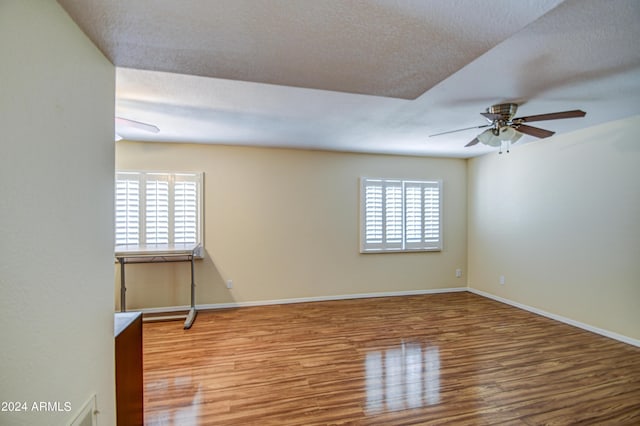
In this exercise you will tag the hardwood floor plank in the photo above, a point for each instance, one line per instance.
(453, 358)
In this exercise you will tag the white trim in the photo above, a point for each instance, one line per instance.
(569, 321)
(89, 411)
(300, 300)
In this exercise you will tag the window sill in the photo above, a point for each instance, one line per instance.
(381, 251)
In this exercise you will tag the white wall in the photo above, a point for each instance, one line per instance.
(284, 224)
(560, 220)
(56, 216)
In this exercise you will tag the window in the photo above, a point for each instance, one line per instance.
(158, 208)
(400, 215)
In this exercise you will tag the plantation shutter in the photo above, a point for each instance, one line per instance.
(422, 215)
(392, 215)
(432, 215)
(382, 214)
(414, 218)
(373, 217)
(127, 220)
(158, 208)
(399, 215)
(186, 210)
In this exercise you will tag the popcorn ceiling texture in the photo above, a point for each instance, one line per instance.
(383, 48)
(374, 76)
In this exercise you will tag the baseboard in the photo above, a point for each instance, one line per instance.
(213, 306)
(299, 300)
(569, 321)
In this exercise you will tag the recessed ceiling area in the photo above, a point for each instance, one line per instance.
(362, 76)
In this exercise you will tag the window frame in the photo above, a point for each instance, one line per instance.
(142, 177)
(378, 234)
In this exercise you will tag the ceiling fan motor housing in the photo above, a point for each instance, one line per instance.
(506, 111)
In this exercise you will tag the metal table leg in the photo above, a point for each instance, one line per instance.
(123, 288)
(192, 312)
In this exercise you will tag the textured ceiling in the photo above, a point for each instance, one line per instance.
(363, 76)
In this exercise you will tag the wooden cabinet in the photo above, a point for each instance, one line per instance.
(129, 384)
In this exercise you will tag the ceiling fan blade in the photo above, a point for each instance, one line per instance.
(534, 131)
(460, 130)
(473, 142)
(552, 116)
(137, 124)
(491, 116)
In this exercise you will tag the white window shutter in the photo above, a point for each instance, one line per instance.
(432, 216)
(393, 207)
(185, 217)
(373, 217)
(399, 215)
(381, 221)
(127, 220)
(157, 209)
(422, 215)
(414, 220)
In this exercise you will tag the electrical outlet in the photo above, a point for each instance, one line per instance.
(502, 280)
(458, 273)
(229, 283)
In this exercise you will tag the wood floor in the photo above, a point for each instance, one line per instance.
(454, 359)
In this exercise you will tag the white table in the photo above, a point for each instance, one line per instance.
(158, 253)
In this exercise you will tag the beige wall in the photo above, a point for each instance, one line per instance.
(559, 219)
(56, 216)
(284, 224)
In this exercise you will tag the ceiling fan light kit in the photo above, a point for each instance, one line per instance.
(504, 129)
(504, 138)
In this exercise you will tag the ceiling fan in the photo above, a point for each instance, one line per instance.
(503, 129)
(125, 122)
